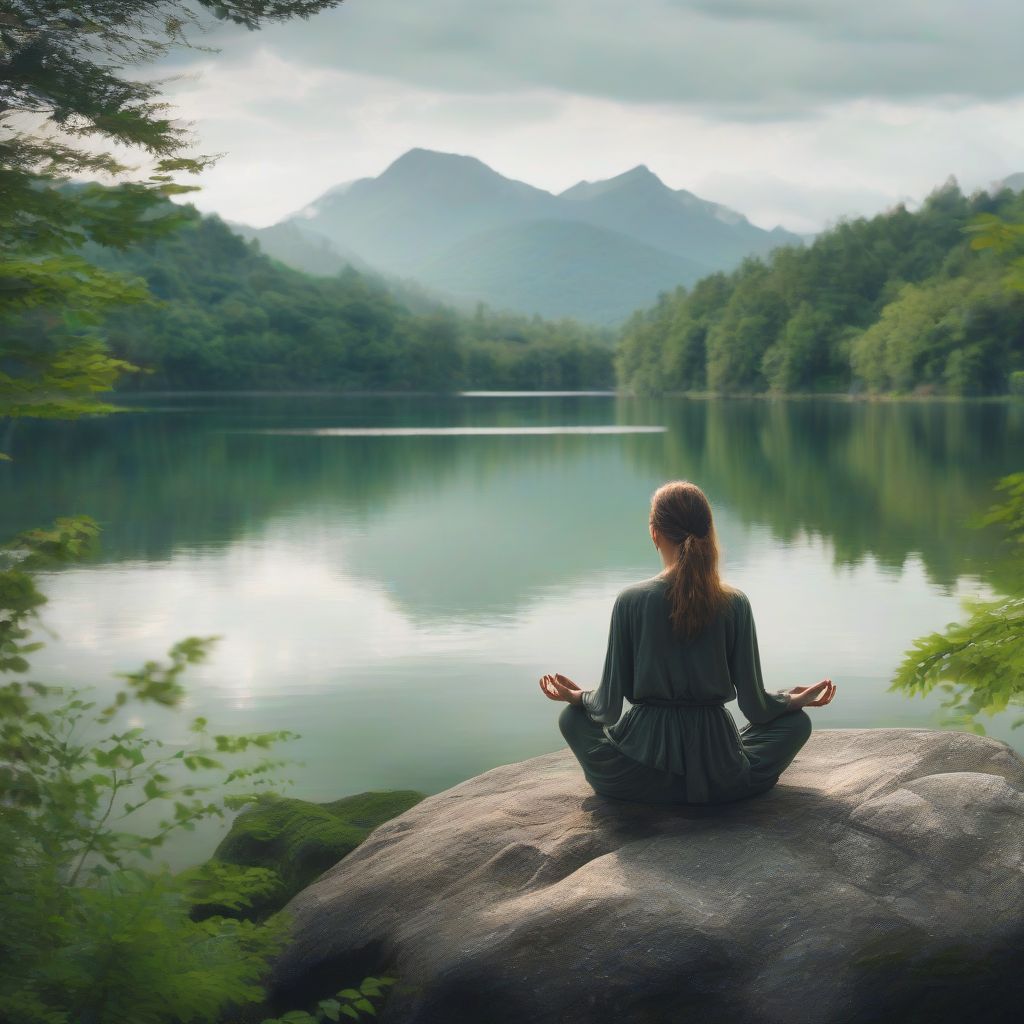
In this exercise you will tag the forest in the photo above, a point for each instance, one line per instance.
(896, 303)
(227, 316)
(899, 303)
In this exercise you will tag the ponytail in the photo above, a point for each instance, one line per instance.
(680, 512)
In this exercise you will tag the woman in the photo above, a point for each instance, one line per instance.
(681, 645)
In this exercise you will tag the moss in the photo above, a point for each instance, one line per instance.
(299, 840)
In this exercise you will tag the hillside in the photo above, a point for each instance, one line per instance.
(301, 250)
(895, 303)
(230, 317)
(557, 268)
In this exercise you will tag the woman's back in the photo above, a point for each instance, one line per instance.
(647, 660)
(669, 667)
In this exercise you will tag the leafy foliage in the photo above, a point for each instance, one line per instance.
(88, 935)
(63, 96)
(352, 1003)
(979, 664)
(63, 67)
(989, 231)
(894, 303)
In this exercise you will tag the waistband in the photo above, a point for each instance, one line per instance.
(664, 702)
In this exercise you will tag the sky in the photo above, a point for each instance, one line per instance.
(795, 112)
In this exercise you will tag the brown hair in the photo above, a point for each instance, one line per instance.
(680, 512)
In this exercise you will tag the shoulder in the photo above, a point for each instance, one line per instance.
(637, 592)
(737, 603)
(738, 615)
(636, 596)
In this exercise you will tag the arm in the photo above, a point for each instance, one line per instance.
(604, 704)
(755, 703)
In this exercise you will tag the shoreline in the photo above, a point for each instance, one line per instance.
(832, 396)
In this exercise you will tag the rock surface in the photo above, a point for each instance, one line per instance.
(882, 879)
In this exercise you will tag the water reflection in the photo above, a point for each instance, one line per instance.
(882, 479)
(394, 598)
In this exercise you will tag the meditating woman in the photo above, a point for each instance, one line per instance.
(681, 645)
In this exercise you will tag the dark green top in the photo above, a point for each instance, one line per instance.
(646, 659)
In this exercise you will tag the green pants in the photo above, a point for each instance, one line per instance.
(769, 747)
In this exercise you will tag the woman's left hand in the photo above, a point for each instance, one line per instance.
(559, 687)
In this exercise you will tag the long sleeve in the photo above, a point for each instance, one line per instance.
(604, 704)
(756, 705)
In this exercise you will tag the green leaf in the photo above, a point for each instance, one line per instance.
(330, 1007)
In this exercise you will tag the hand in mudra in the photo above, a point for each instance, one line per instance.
(559, 687)
(815, 696)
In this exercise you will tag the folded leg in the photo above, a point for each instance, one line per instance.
(771, 746)
(610, 772)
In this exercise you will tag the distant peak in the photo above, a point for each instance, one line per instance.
(639, 177)
(419, 153)
(640, 171)
(418, 157)
(450, 172)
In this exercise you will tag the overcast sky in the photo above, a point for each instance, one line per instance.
(795, 112)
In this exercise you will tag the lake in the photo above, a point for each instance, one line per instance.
(391, 575)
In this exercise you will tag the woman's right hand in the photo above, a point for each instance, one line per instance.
(815, 696)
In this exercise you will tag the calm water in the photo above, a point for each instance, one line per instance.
(392, 575)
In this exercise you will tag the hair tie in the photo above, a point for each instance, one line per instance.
(686, 536)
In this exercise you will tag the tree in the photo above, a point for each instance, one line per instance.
(63, 96)
(88, 935)
(894, 302)
(990, 231)
(979, 664)
(800, 357)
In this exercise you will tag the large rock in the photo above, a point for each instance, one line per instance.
(882, 879)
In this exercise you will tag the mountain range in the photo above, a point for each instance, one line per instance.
(597, 251)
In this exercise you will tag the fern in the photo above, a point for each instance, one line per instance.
(978, 664)
(353, 1003)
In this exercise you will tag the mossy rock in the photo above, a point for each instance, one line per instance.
(299, 840)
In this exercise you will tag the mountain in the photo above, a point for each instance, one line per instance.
(558, 268)
(597, 251)
(639, 203)
(421, 204)
(1015, 182)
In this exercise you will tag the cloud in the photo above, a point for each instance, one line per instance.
(743, 59)
(792, 111)
(291, 132)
